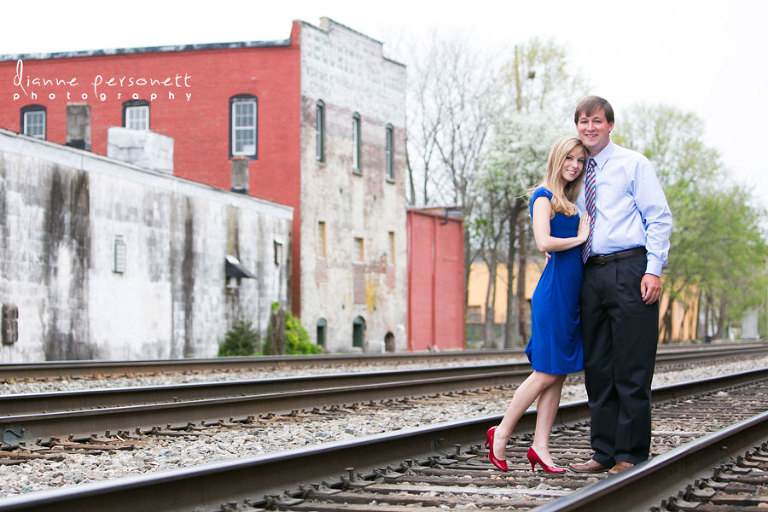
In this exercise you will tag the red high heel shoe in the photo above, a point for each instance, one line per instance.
(533, 458)
(499, 463)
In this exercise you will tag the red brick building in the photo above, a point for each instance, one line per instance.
(187, 93)
(435, 280)
(315, 122)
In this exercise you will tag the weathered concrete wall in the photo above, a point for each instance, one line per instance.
(144, 148)
(63, 211)
(346, 70)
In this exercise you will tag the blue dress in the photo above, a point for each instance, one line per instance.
(556, 345)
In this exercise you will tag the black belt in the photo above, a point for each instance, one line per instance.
(602, 259)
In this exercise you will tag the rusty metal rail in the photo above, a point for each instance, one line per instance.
(33, 403)
(214, 485)
(92, 369)
(95, 368)
(82, 414)
(273, 397)
(650, 483)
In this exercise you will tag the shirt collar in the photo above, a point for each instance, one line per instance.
(605, 154)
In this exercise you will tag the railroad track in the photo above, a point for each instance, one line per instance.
(81, 415)
(431, 448)
(443, 465)
(104, 369)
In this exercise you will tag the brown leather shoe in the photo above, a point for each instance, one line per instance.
(589, 467)
(619, 467)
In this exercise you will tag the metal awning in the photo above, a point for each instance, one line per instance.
(233, 268)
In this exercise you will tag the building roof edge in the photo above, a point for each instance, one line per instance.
(145, 49)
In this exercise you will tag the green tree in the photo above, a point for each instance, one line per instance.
(450, 80)
(532, 105)
(717, 244)
(240, 340)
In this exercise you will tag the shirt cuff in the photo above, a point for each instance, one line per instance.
(653, 266)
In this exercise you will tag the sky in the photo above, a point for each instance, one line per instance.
(700, 56)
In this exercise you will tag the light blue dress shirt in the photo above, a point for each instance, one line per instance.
(632, 210)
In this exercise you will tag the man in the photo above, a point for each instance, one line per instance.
(619, 301)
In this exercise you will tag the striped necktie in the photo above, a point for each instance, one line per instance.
(589, 199)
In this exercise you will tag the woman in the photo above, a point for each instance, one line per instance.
(555, 348)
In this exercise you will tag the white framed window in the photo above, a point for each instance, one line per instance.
(137, 117)
(243, 116)
(33, 121)
(356, 143)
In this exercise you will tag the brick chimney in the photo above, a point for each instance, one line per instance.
(240, 175)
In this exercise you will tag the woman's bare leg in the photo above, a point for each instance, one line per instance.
(524, 396)
(546, 413)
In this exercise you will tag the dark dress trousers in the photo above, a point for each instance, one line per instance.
(620, 337)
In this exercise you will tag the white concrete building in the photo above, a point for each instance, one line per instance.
(101, 259)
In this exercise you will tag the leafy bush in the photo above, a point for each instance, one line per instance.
(296, 337)
(240, 340)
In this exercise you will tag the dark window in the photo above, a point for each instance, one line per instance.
(321, 327)
(243, 114)
(358, 332)
(136, 115)
(389, 342)
(390, 156)
(33, 121)
(320, 129)
(356, 149)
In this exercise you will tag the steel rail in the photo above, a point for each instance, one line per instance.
(83, 414)
(93, 368)
(85, 423)
(211, 485)
(34, 403)
(647, 484)
(90, 368)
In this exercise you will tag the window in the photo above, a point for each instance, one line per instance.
(243, 116)
(33, 121)
(321, 239)
(474, 314)
(322, 324)
(390, 153)
(391, 258)
(358, 332)
(359, 255)
(320, 129)
(119, 259)
(136, 115)
(278, 248)
(356, 165)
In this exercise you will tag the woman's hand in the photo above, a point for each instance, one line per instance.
(583, 232)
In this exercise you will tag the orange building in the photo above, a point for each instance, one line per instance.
(678, 319)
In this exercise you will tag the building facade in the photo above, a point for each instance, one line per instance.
(101, 259)
(353, 261)
(315, 122)
(435, 280)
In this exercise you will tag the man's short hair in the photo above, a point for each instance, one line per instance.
(590, 104)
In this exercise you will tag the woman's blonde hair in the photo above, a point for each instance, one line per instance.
(564, 193)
